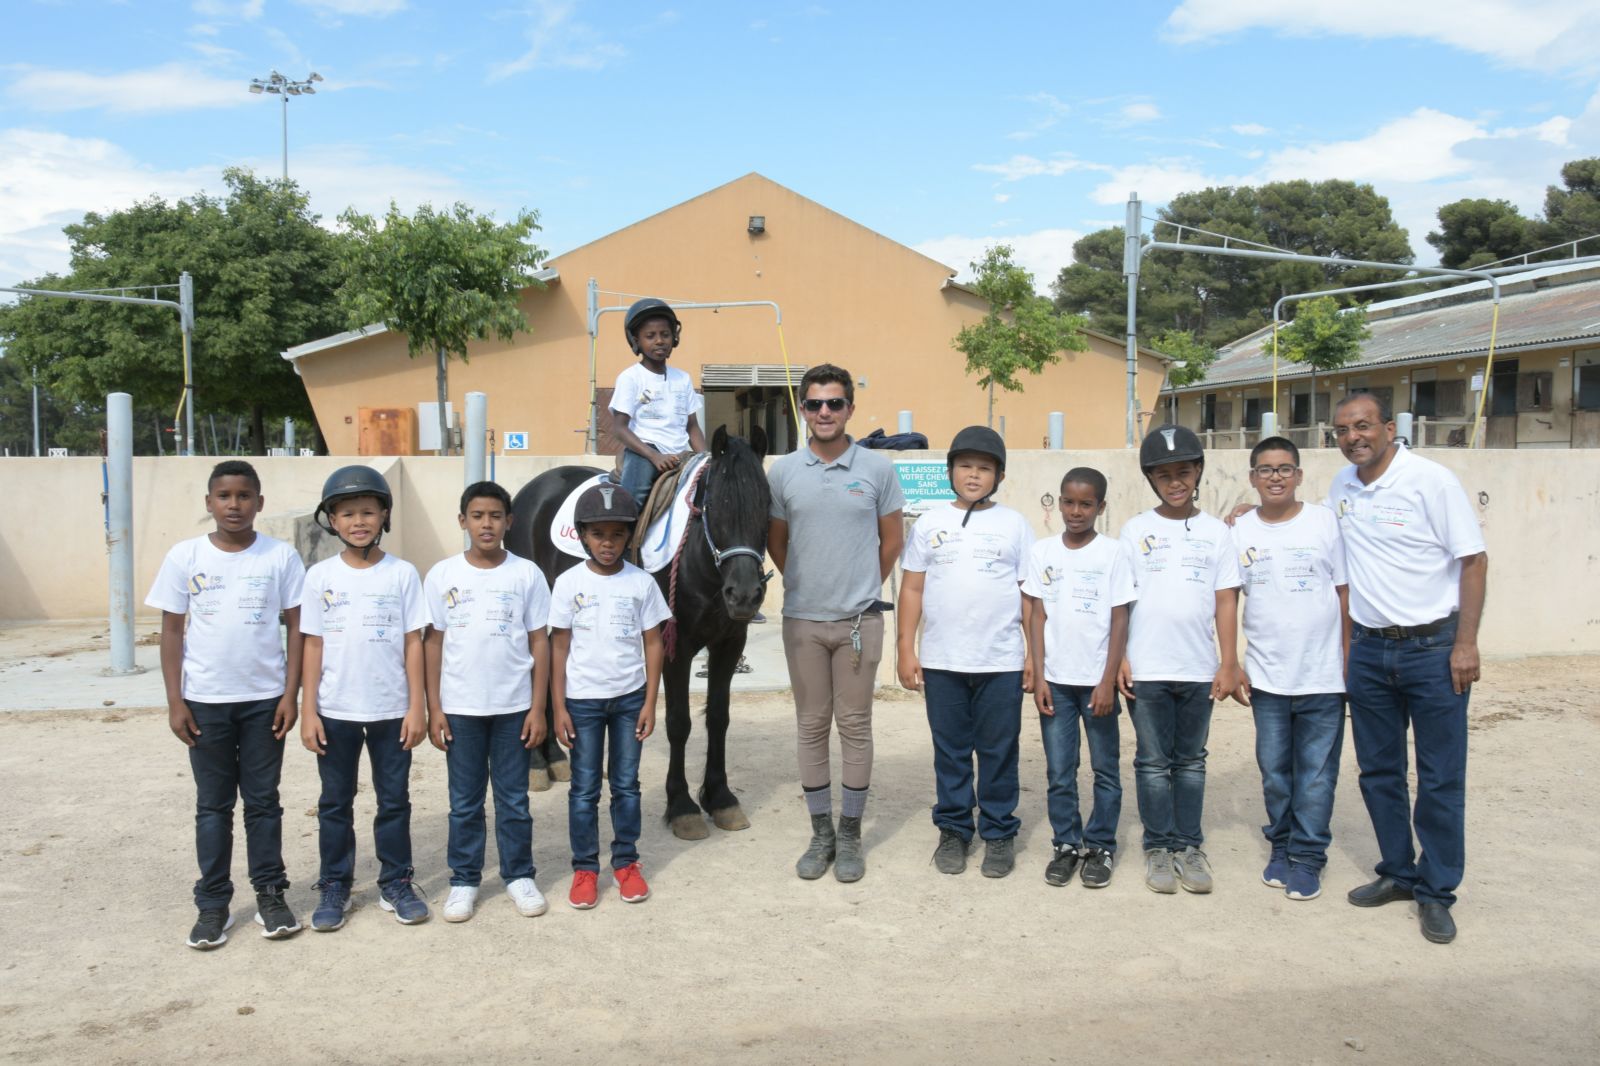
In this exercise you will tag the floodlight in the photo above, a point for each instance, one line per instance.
(314, 76)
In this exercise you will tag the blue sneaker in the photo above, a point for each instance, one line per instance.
(1304, 882)
(332, 906)
(401, 898)
(1276, 875)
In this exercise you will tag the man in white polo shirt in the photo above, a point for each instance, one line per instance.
(1417, 566)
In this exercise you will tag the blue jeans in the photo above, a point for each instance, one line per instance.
(1298, 744)
(236, 757)
(1061, 756)
(1171, 720)
(336, 815)
(1394, 684)
(484, 749)
(638, 475)
(599, 724)
(975, 714)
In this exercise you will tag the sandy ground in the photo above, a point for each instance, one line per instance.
(734, 959)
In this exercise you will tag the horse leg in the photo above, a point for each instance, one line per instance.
(682, 814)
(715, 795)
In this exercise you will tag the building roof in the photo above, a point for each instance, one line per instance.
(1549, 307)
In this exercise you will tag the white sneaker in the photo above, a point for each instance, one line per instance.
(458, 907)
(526, 895)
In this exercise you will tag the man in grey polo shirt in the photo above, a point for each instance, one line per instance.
(836, 532)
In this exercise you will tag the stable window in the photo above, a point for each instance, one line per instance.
(1252, 412)
(1450, 397)
(1208, 411)
(1503, 388)
(1586, 387)
(1533, 390)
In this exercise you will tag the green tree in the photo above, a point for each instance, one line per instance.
(441, 278)
(1474, 232)
(1022, 332)
(1323, 337)
(1573, 212)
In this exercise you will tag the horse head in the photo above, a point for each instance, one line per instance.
(735, 503)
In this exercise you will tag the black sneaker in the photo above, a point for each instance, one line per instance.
(950, 857)
(1096, 869)
(211, 929)
(274, 916)
(1059, 872)
(999, 856)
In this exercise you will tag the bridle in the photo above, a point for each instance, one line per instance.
(702, 512)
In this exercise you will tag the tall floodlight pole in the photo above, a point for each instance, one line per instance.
(276, 84)
(1132, 224)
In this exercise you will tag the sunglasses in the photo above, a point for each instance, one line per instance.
(832, 403)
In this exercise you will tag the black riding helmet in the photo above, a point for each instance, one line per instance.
(649, 307)
(977, 440)
(605, 503)
(1171, 444)
(349, 481)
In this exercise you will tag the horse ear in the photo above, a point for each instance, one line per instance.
(719, 440)
(758, 441)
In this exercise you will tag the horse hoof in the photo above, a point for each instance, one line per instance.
(730, 819)
(539, 780)
(561, 771)
(690, 827)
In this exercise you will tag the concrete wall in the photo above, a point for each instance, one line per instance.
(1537, 511)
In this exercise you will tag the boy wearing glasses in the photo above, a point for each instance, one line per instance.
(834, 534)
(1296, 625)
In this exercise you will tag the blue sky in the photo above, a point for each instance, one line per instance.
(940, 125)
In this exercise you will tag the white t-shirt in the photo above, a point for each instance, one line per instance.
(1179, 566)
(657, 407)
(608, 615)
(1404, 538)
(232, 648)
(971, 603)
(363, 617)
(1291, 570)
(485, 617)
(1078, 587)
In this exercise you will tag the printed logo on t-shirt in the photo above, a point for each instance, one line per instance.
(1344, 506)
(1086, 585)
(856, 488)
(1153, 549)
(583, 611)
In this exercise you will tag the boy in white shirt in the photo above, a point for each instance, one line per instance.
(231, 687)
(606, 654)
(963, 566)
(1296, 612)
(488, 669)
(1187, 575)
(363, 617)
(1079, 586)
(652, 406)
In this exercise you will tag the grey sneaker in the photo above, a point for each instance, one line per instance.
(950, 857)
(820, 852)
(1194, 872)
(999, 856)
(1158, 873)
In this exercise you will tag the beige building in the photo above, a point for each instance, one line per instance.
(848, 296)
(1427, 356)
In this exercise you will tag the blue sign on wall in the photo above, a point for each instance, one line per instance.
(923, 483)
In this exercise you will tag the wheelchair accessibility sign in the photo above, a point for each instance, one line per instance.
(516, 440)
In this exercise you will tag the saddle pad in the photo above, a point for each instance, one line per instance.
(563, 530)
(661, 539)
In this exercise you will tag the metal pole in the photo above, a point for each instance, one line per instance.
(1058, 430)
(475, 438)
(1131, 251)
(592, 441)
(186, 320)
(37, 449)
(285, 97)
(288, 435)
(905, 422)
(119, 529)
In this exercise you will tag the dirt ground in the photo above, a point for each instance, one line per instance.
(736, 960)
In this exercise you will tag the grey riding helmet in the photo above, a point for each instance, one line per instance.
(649, 307)
(348, 481)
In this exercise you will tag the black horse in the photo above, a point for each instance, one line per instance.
(715, 586)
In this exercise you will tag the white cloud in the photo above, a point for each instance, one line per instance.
(1140, 112)
(557, 41)
(358, 8)
(169, 87)
(242, 9)
(1001, 197)
(1156, 182)
(1026, 166)
(1042, 253)
(1250, 129)
(1536, 34)
(1418, 147)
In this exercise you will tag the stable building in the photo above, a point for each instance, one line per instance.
(848, 296)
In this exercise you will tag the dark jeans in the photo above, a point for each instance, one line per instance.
(975, 715)
(236, 757)
(485, 749)
(601, 724)
(1298, 744)
(1171, 720)
(336, 815)
(1062, 745)
(1395, 684)
(638, 475)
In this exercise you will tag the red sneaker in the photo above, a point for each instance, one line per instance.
(630, 880)
(585, 889)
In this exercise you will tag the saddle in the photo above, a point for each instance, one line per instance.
(659, 505)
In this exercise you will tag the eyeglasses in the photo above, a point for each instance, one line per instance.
(832, 403)
(1362, 428)
(1286, 471)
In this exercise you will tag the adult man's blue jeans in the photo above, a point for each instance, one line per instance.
(236, 757)
(1298, 744)
(1171, 720)
(485, 749)
(391, 784)
(605, 734)
(975, 715)
(1396, 684)
(1062, 747)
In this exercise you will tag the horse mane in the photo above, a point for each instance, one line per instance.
(737, 495)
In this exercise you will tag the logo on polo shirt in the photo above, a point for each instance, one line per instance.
(1344, 506)
(856, 488)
